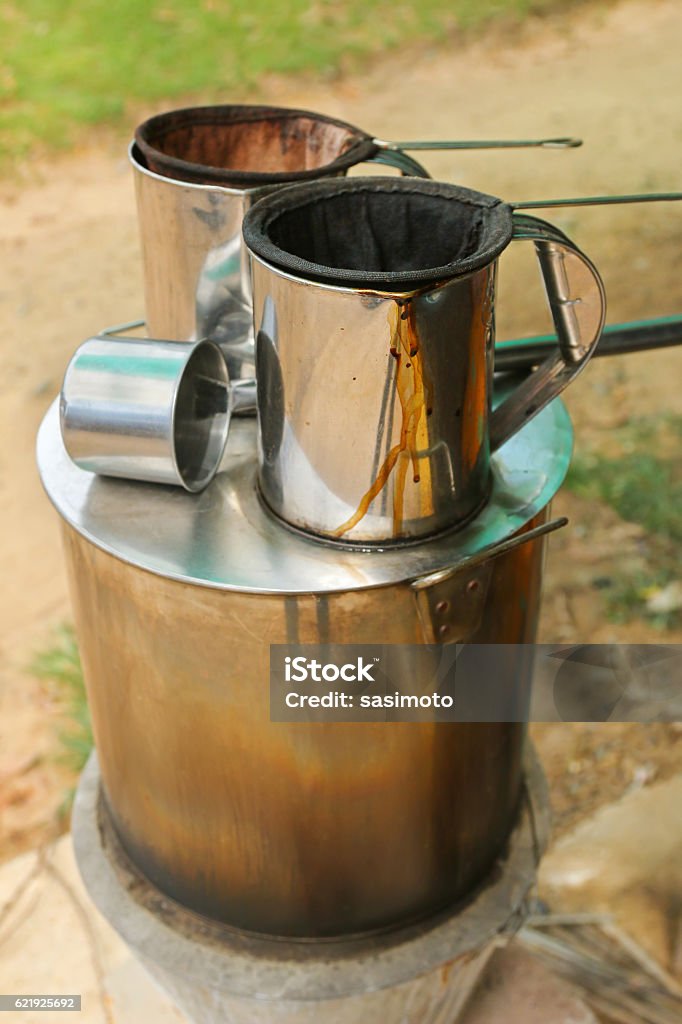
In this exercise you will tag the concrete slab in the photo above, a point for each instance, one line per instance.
(516, 989)
(626, 860)
(54, 941)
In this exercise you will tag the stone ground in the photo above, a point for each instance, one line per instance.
(625, 861)
(54, 940)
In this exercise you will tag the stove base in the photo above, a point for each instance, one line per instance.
(421, 974)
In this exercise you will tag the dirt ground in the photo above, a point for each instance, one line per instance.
(71, 265)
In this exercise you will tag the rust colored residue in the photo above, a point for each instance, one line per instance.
(414, 433)
(476, 395)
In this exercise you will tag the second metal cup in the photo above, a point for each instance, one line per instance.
(147, 410)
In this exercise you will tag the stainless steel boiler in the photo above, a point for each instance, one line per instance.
(309, 872)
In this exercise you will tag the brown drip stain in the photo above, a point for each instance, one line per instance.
(474, 411)
(414, 432)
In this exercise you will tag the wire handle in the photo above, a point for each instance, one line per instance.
(437, 144)
(642, 197)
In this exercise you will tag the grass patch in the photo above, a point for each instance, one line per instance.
(641, 487)
(626, 599)
(68, 66)
(59, 665)
(643, 483)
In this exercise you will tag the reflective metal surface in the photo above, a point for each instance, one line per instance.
(147, 410)
(218, 975)
(374, 406)
(225, 538)
(300, 830)
(307, 829)
(196, 275)
(373, 420)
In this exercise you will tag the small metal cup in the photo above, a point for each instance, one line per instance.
(147, 410)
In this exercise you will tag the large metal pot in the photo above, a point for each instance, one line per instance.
(301, 830)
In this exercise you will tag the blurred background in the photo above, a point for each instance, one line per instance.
(75, 79)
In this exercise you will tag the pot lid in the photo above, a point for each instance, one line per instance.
(225, 538)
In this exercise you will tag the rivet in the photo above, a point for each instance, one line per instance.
(443, 630)
(473, 585)
(442, 607)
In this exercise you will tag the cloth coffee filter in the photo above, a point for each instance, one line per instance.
(393, 234)
(249, 146)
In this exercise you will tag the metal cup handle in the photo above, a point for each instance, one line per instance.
(576, 344)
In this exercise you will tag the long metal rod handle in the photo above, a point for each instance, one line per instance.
(437, 144)
(242, 393)
(624, 200)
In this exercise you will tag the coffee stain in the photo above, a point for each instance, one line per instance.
(475, 403)
(414, 431)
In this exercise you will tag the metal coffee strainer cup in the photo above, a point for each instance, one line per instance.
(198, 171)
(374, 304)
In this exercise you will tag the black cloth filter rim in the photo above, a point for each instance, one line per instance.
(150, 131)
(259, 221)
